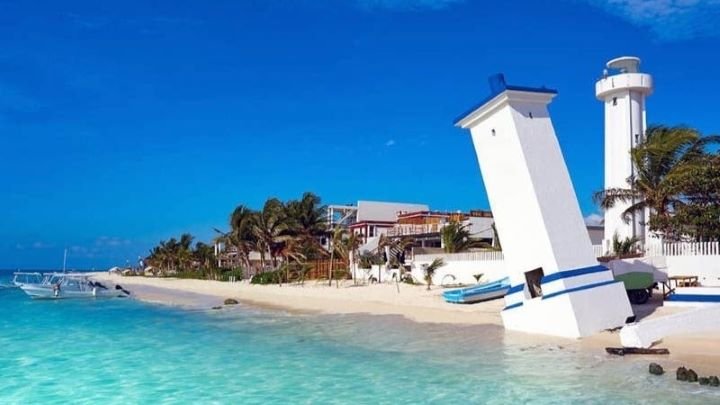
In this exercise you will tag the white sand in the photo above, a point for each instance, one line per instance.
(702, 352)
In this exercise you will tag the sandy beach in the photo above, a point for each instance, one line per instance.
(701, 352)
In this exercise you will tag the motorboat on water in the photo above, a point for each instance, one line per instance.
(21, 278)
(71, 285)
(481, 292)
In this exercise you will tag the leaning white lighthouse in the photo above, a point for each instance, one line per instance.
(623, 89)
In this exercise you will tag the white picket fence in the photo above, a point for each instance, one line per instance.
(683, 249)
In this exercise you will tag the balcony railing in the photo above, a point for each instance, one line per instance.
(411, 230)
(482, 256)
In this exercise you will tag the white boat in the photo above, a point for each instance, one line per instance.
(21, 278)
(61, 285)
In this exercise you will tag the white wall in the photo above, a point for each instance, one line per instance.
(385, 211)
(461, 272)
(707, 268)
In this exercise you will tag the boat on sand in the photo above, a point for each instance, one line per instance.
(481, 292)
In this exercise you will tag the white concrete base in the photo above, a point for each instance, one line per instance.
(646, 333)
(694, 297)
(573, 315)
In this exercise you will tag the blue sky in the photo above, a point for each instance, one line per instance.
(123, 123)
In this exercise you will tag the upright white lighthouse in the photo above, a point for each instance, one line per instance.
(623, 89)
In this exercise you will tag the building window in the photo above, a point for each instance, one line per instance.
(614, 100)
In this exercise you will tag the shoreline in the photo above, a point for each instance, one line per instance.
(700, 352)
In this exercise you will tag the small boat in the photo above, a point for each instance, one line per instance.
(62, 285)
(481, 292)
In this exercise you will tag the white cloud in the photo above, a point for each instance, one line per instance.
(594, 219)
(111, 241)
(407, 4)
(42, 245)
(390, 142)
(669, 20)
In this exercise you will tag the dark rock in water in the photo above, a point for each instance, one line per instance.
(216, 307)
(621, 351)
(656, 369)
(714, 381)
(681, 374)
(692, 376)
(704, 381)
(231, 301)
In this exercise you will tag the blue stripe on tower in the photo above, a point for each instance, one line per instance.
(573, 273)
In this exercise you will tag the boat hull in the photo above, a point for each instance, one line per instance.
(484, 292)
(43, 292)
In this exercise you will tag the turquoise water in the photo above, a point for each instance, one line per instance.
(125, 351)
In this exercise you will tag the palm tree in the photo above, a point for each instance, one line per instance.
(430, 270)
(666, 152)
(292, 252)
(241, 235)
(336, 246)
(347, 249)
(270, 229)
(306, 221)
(456, 238)
(184, 251)
(396, 245)
(205, 255)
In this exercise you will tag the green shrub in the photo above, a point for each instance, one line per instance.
(226, 274)
(269, 277)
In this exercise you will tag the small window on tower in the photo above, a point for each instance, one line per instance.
(614, 100)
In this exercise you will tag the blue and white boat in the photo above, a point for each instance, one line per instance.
(481, 292)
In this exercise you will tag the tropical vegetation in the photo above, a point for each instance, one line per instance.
(286, 237)
(456, 238)
(431, 269)
(676, 180)
(290, 232)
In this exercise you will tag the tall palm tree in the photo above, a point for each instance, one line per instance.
(666, 152)
(241, 236)
(307, 222)
(184, 251)
(205, 255)
(336, 246)
(270, 229)
(292, 252)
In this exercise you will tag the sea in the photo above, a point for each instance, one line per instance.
(124, 351)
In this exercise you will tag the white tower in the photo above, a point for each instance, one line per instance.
(558, 288)
(623, 90)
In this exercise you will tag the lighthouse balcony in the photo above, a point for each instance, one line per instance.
(606, 86)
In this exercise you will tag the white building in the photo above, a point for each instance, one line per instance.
(374, 218)
(623, 90)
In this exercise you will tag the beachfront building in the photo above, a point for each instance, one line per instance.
(425, 227)
(373, 218)
(623, 89)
